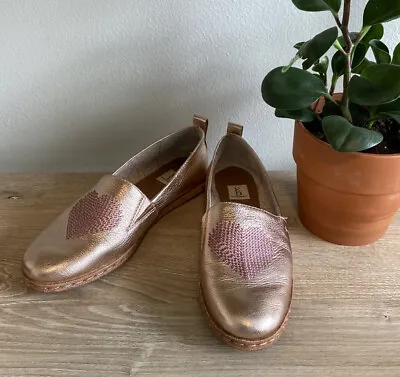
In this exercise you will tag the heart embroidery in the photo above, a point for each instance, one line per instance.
(93, 214)
(247, 251)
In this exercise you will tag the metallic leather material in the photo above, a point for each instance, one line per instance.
(246, 260)
(234, 128)
(201, 122)
(77, 244)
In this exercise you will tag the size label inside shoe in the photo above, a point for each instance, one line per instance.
(239, 192)
(166, 177)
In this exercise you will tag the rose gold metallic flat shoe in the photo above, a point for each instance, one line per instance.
(246, 261)
(103, 228)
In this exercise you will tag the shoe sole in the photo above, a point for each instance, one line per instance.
(236, 342)
(104, 270)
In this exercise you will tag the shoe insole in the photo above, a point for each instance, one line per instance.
(237, 185)
(156, 181)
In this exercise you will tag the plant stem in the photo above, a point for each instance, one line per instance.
(370, 123)
(362, 34)
(333, 85)
(339, 24)
(347, 60)
(330, 98)
(372, 112)
(294, 60)
(325, 77)
(337, 45)
(345, 24)
(346, 80)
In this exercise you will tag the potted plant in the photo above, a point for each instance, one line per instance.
(346, 146)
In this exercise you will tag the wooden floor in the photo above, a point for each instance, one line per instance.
(144, 318)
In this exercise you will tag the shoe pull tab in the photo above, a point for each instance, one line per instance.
(199, 121)
(235, 129)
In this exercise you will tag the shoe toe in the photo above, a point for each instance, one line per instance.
(252, 315)
(40, 266)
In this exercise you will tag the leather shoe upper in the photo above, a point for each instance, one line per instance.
(246, 259)
(112, 217)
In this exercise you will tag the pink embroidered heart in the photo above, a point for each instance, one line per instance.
(93, 214)
(247, 251)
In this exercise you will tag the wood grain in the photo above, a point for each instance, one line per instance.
(144, 319)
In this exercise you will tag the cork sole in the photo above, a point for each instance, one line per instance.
(240, 343)
(104, 270)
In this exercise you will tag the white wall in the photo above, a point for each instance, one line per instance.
(85, 84)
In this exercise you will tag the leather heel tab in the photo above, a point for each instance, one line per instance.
(199, 121)
(235, 129)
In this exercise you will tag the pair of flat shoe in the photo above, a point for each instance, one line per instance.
(246, 261)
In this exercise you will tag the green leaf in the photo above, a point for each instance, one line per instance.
(321, 66)
(293, 90)
(364, 64)
(377, 85)
(375, 32)
(298, 45)
(344, 137)
(359, 55)
(321, 77)
(381, 52)
(359, 114)
(318, 5)
(338, 59)
(337, 63)
(396, 55)
(389, 110)
(379, 11)
(385, 76)
(393, 114)
(303, 115)
(363, 92)
(389, 107)
(334, 5)
(313, 49)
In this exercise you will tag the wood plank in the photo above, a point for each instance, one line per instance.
(144, 319)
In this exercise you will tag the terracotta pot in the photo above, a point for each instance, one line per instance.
(344, 198)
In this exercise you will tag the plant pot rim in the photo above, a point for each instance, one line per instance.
(388, 156)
